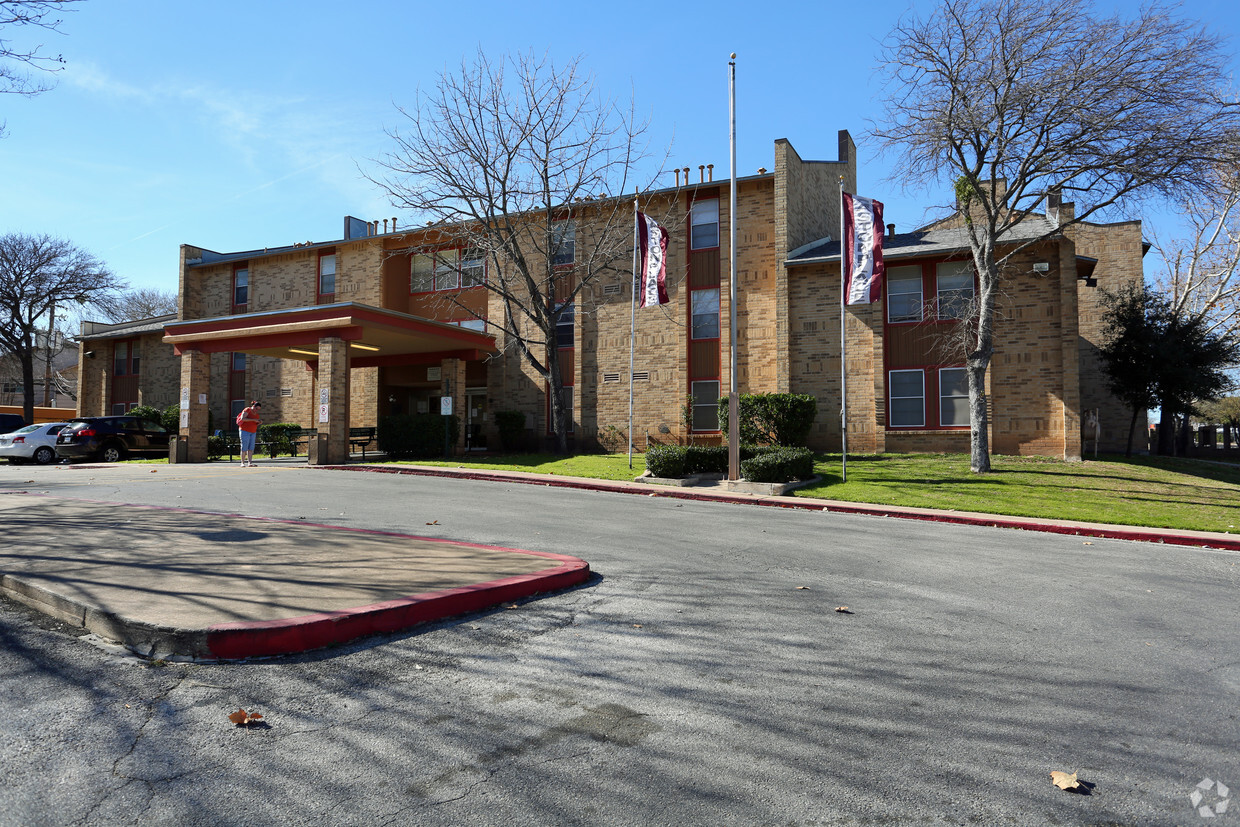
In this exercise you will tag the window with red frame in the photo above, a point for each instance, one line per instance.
(447, 269)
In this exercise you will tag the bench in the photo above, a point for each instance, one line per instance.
(300, 436)
(361, 438)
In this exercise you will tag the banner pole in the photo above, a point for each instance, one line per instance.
(633, 324)
(734, 425)
(843, 347)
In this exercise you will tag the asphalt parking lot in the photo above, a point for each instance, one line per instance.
(702, 676)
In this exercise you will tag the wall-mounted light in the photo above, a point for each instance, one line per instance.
(1041, 267)
(90, 354)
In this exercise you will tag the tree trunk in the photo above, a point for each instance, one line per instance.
(555, 396)
(1166, 433)
(27, 360)
(979, 432)
(1132, 429)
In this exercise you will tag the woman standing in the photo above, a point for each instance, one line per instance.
(247, 422)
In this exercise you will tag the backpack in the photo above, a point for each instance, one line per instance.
(240, 417)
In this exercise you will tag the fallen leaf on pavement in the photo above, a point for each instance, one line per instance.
(243, 718)
(513, 606)
(1087, 543)
(154, 470)
(1064, 781)
(435, 522)
(802, 587)
(843, 610)
(637, 625)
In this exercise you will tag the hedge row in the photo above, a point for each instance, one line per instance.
(404, 436)
(758, 463)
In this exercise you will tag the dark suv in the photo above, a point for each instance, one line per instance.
(111, 438)
(11, 422)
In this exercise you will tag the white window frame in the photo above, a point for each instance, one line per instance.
(700, 405)
(943, 397)
(891, 398)
(904, 275)
(327, 267)
(563, 243)
(950, 301)
(565, 325)
(712, 313)
(704, 213)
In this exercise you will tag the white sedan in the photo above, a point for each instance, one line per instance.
(34, 443)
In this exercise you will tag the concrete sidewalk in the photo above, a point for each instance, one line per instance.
(179, 583)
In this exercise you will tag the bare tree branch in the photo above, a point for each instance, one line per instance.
(522, 162)
(38, 274)
(1020, 102)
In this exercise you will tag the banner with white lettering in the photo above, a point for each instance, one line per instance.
(862, 247)
(652, 262)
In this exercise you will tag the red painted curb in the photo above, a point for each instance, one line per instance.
(234, 641)
(1145, 535)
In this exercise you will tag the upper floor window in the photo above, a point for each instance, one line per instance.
(904, 294)
(563, 243)
(241, 286)
(238, 362)
(446, 270)
(705, 312)
(327, 273)
(479, 325)
(564, 325)
(704, 224)
(125, 358)
(955, 289)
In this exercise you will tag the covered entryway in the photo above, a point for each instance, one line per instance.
(331, 339)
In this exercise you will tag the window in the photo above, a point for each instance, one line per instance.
(473, 268)
(705, 314)
(705, 405)
(908, 398)
(125, 358)
(563, 243)
(904, 294)
(704, 224)
(422, 274)
(953, 397)
(473, 324)
(237, 406)
(564, 325)
(241, 286)
(447, 269)
(327, 274)
(955, 289)
(238, 362)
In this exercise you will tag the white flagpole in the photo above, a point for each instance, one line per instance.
(734, 426)
(843, 347)
(633, 324)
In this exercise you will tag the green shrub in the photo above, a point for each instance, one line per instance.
(277, 437)
(779, 465)
(772, 418)
(216, 447)
(404, 436)
(511, 426)
(666, 460)
(147, 413)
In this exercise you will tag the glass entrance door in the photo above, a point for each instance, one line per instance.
(475, 418)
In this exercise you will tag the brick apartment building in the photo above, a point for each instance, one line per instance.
(383, 321)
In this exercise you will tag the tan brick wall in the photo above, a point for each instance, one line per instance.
(160, 372)
(1118, 248)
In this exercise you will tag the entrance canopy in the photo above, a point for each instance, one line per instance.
(375, 336)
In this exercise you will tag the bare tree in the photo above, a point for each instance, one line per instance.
(514, 162)
(39, 273)
(1020, 102)
(18, 62)
(1201, 271)
(138, 303)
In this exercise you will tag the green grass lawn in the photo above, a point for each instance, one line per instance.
(1142, 491)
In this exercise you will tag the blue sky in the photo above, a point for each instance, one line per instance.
(235, 125)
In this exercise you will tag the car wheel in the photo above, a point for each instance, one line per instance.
(44, 455)
(112, 453)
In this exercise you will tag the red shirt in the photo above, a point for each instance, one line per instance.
(249, 420)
